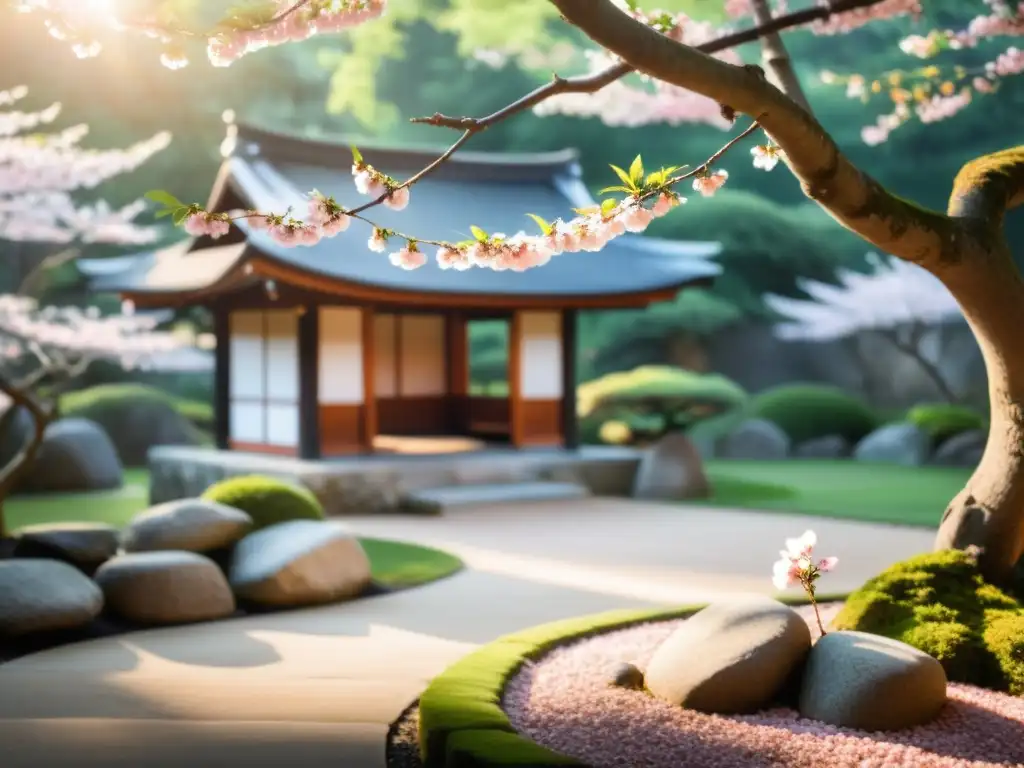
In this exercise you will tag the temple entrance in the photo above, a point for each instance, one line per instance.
(487, 402)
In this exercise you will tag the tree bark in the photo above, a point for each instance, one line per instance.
(964, 247)
(775, 57)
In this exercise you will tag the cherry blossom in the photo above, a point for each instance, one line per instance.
(40, 171)
(766, 156)
(710, 183)
(797, 565)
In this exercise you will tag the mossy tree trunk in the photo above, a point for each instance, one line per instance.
(964, 247)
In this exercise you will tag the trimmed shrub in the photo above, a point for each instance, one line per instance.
(808, 411)
(944, 420)
(654, 398)
(135, 416)
(939, 603)
(267, 500)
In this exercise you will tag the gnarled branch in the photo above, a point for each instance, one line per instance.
(853, 198)
(989, 186)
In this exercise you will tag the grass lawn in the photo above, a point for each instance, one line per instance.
(394, 564)
(852, 490)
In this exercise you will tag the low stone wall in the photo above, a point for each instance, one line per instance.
(377, 484)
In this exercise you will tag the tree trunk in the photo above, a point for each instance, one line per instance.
(989, 511)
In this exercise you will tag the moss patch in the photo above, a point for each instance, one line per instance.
(462, 723)
(267, 500)
(939, 603)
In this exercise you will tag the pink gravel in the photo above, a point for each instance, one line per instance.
(563, 701)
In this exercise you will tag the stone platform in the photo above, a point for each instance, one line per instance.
(380, 483)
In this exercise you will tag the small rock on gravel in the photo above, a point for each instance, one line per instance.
(628, 676)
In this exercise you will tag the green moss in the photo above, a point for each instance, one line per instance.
(943, 420)
(484, 748)
(808, 411)
(267, 500)
(939, 603)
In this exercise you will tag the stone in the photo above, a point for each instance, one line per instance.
(193, 525)
(905, 444)
(730, 658)
(76, 455)
(45, 595)
(754, 439)
(962, 450)
(870, 682)
(825, 447)
(299, 562)
(628, 676)
(83, 545)
(167, 587)
(671, 470)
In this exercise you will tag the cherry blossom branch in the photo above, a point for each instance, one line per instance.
(595, 82)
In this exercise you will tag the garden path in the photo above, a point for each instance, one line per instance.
(318, 687)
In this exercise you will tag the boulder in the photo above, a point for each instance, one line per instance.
(299, 562)
(45, 595)
(76, 455)
(826, 447)
(905, 444)
(16, 428)
(194, 525)
(962, 450)
(755, 439)
(83, 545)
(671, 470)
(169, 587)
(870, 682)
(730, 658)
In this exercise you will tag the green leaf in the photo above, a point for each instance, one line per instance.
(587, 211)
(655, 179)
(636, 171)
(544, 226)
(479, 234)
(624, 176)
(607, 206)
(164, 198)
(609, 190)
(357, 157)
(180, 214)
(165, 212)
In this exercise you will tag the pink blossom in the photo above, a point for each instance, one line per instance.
(766, 156)
(711, 183)
(665, 203)
(398, 199)
(408, 258)
(377, 243)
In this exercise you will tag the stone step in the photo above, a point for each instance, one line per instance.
(434, 501)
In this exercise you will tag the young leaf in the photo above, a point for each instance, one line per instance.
(357, 157)
(479, 234)
(655, 179)
(636, 171)
(587, 211)
(609, 190)
(180, 214)
(162, 213)
(624, 176)
(607, 206)
(164, 198)
(544, 226)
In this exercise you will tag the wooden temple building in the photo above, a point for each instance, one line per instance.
(322, 349)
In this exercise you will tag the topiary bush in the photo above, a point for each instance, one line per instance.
(939, 603)
(135, 416)
(808, 411)
(267, 500)
(944, 420)
(654, 399)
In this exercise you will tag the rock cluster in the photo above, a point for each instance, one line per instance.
(178, 562)
(741, 657)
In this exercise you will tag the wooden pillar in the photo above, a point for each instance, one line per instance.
(369, 379)
(309, 378)
(222, 378)
(570, 422)
(457, 354)
(515, 380)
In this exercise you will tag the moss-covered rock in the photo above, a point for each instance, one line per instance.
(267, 500)
(939, 603)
